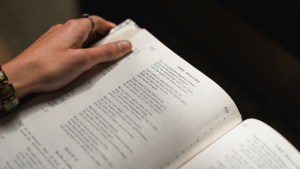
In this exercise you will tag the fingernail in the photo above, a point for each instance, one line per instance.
(124, 45)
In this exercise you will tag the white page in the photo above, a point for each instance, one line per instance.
(149, 110)
(252, 144)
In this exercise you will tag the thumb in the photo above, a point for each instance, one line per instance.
(110, 51)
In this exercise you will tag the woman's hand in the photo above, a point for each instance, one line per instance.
(57, 57)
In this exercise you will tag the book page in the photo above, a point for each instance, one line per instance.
(252, 144)
(150, 109)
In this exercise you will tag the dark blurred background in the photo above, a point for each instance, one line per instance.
(250, 47)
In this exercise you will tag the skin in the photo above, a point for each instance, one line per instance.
(57, 57)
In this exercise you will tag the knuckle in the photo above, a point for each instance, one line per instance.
(54, 27)
(76, 27)
(107, 51)
(72, 23)
(57, 25)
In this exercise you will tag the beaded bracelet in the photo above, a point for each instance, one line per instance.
(8, 99)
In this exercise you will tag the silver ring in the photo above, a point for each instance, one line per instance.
(88, 16)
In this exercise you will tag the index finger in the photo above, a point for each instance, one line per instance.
(79, 29)
(101, 25)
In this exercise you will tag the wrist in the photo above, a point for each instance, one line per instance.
(17, 79)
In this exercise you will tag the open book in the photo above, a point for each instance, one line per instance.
(149, 110)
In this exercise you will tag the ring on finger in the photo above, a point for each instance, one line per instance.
(88, 16)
